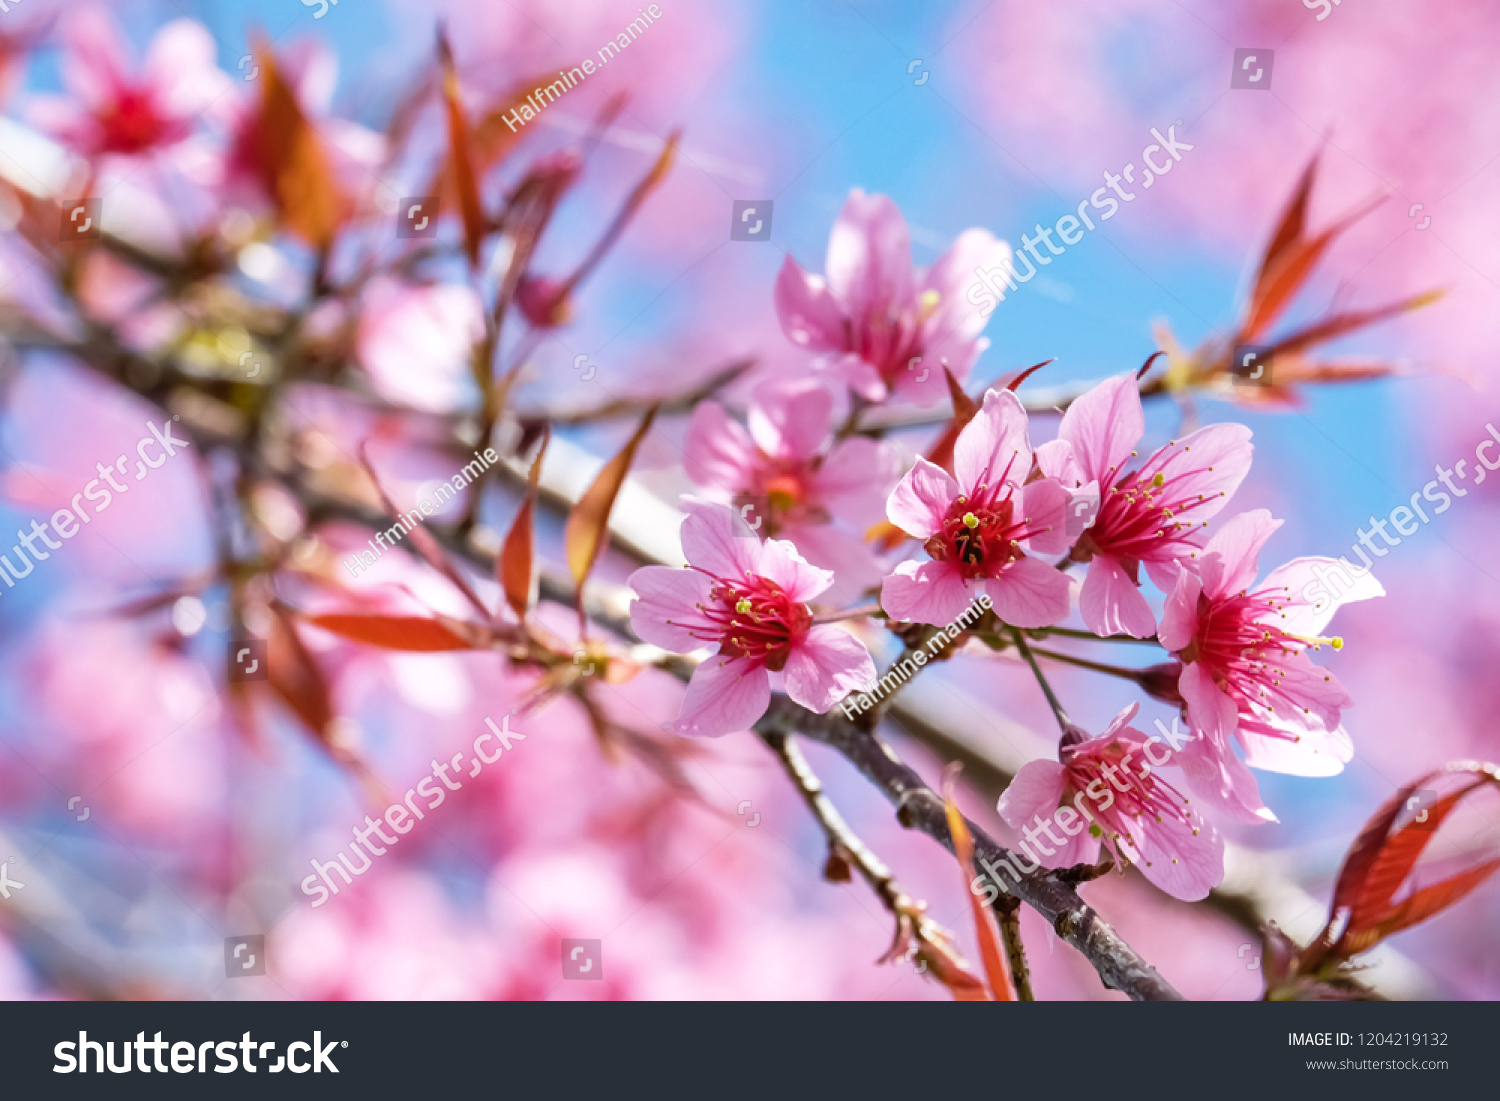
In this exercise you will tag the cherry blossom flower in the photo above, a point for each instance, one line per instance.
(876, 316)
(979, 526)
(108, 110)
(1245, 669)
(750, 599)
(1146, 515)
(1096, 795)
(799, 483)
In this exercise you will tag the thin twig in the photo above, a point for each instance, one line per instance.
(1052, 700)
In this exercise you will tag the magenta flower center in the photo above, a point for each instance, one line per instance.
(132, 123)
(752, 617)
(981, 534)
(890, 341)
(1137, 793)
(1239, 645)
(1143, 510)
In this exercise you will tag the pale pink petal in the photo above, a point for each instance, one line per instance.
(791, 420)
(1079, 847)
(1210, 463)
(1112, 604)
(924, 384)
(1315, 588)
(852, 560)
(93, 59)
(665, 612)
(810, 315)
(1163, 571)
(718, 453)
(1221, 781)
(1082, 510)
(778, 561)
(1030, 593)
(921, 500)
(993, 445)
(1055, 459)
(180, 67)
(929, 592)
(825, 666)
(1302, 694)
(715, 539)
(1119, 726)
(859, 376)
(1103, 426)
(722, 697)
(415, 342)
(1184, 864)
(1179, 619)
(1044, 507)
(1297, 751)
(855, 479)
(1210, 712)
(1227, 562)
(1037, 788)
(952, 276)
(869, 256)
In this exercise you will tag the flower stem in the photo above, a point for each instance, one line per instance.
(1057, 707)
(1096, 666)
(1088, 636)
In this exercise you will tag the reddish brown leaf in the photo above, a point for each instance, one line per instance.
(990, 950)
(1289, 229)
(288, 155)
(416, 634)
(588, 522)
(1339, 324)
(1280, 282)
(296, 678)
(460, 161)
(513, 567)
(941, 453)
(1014, 384)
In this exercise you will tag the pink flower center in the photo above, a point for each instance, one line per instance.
(1138, 794)
(1238, 644)
(890, 341)
(132, 123)
(1143, 510)
(982, 534)
(754, 618)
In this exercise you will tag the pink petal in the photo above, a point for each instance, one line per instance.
(854, 565)
(666, 607)
(869, 257)
(718, 453)
(1030, 593)
(1304, 695)
(779, 561)
(715, 539)
(861, 377)
(921, 500)
(1036, 789)
(1221, 781)
(1210, 712)
(1312, 599)
(1055, 459)
(952, 276)
(791, 420)
(93, 60)
(855, 480)
(1103, 426)
(1183, 864)
(810, 315)
(924, 384)
(929, 592)
(994, 444)
(723, 696)
(1120, 726)
(1211, 462)
(826, 666)
(1179, 619)
(180, 68)
(1228, 561)
(1044, 507)
(1112, 604)
(1082, 509)
(1296, 752)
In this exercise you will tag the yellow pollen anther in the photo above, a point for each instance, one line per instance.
(744, 606)
(971, 521)
(1159, 479)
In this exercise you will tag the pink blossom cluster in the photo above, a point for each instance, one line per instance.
(1000, 522)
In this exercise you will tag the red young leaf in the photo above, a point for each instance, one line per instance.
(588, 522)
(415, 634)
(990, 950)
(513, 566)
(460, 162)
(1289, 229)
